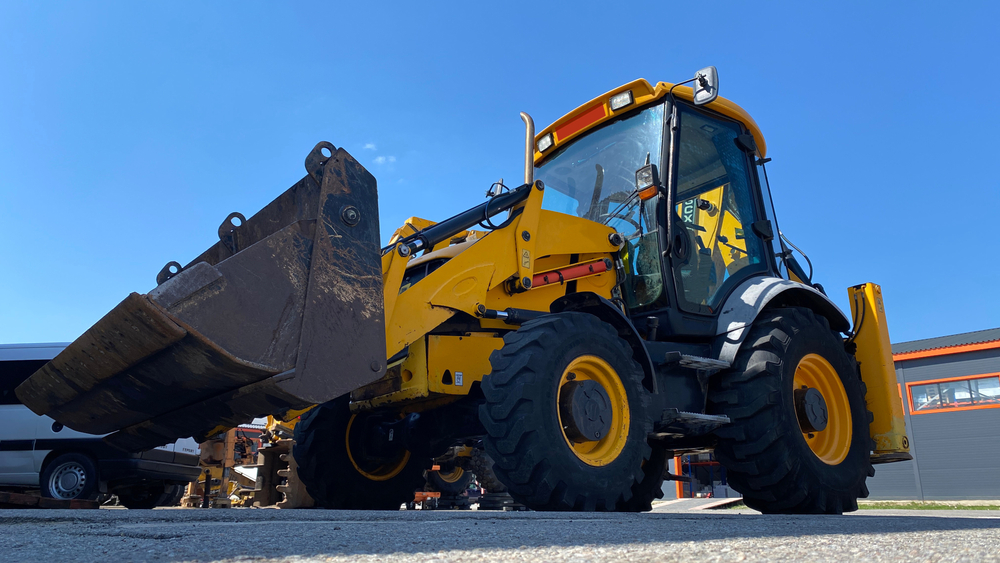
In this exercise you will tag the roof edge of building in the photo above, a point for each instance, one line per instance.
(946, 350)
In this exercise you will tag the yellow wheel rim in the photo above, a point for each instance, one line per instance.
(832, 443)
(606, 450)
(376, 472)
(452, 476)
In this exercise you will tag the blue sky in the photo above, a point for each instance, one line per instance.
(129, 131)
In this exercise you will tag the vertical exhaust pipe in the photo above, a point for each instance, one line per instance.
(529, 148)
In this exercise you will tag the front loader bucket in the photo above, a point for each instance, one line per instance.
(285, 311)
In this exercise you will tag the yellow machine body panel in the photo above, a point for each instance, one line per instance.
(454, 363)
(874, 354)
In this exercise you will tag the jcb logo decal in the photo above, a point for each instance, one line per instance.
(688, 211)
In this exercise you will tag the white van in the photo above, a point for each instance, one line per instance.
(38, 452)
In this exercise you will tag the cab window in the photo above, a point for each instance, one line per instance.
(12, 374)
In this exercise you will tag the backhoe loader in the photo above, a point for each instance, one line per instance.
(631, 300)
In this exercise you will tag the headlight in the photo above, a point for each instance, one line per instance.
(645, 177)
(646, 182)
(618, 101)
(545, 143)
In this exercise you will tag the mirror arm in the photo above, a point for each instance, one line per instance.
(670, 92)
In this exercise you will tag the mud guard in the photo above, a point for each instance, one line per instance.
(587, 302)
(754, 295)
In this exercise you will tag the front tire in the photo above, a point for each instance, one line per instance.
(338, 475)
(69, 477)
(558, 441)
(773, 452)
(651, 486)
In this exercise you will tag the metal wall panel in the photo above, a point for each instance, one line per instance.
(956, 454)
(893, 481)
(957, 365)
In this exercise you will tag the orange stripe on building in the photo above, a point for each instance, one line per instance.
(946, 351)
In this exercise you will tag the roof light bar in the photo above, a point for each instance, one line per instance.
(619, 101)
(545, 143)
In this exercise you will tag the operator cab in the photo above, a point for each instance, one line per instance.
(680, 264)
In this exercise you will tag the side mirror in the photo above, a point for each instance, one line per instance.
(706, 86)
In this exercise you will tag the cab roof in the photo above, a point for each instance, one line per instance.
(598, 111)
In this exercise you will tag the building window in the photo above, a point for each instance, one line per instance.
(954, 394)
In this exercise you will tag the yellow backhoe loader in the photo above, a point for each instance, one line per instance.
(631, 300)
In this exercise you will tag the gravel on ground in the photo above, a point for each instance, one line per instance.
(57, 536)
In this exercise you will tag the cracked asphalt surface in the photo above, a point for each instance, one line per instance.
(55, 536)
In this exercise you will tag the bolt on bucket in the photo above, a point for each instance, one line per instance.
(285, 311)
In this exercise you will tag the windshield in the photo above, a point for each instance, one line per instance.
(594, 177)
(594, 174)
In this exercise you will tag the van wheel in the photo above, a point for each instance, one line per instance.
(69, 477)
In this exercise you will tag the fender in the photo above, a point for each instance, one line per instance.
(587, 302)
(754, 295)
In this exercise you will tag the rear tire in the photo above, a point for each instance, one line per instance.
(335, 475)
(482, 466)
(172, 496)
(141, 497)
(525, 430)
(769, 457)
(450, 483)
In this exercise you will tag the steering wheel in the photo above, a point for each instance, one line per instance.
(611, 203)
(607, 217)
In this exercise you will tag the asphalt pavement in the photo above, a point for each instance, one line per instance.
(672, 532)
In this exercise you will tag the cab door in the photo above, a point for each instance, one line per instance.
(715, 246)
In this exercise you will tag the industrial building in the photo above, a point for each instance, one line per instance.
(950, 389)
